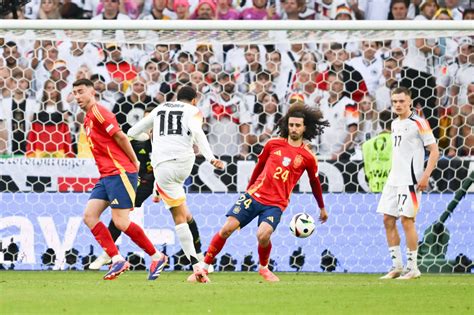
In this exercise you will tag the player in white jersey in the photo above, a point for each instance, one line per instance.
(176, 127)
(411, 135)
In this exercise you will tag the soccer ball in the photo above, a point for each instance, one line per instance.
(302, 225)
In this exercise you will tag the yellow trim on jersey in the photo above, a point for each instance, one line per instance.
(117, 164)
(97, 114)
(252, 191)
(129, 187)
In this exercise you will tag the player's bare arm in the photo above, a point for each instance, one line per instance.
(432, 161)
(323, 215)
(122, 140)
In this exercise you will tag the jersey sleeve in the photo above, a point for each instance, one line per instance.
(106, 119)
(313, 174)
(425, 132)
(195, 125)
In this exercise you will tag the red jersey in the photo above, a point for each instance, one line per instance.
(100, 125)
(279, 167)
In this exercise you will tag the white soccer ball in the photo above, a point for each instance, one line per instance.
(302, 225)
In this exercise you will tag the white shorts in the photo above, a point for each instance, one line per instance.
(169, 180)
(399, 201)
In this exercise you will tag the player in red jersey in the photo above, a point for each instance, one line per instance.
(279, 167)
(118, 167)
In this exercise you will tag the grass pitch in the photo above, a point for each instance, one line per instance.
(78, 292)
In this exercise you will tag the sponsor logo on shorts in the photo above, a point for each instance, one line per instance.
(114, 202)
(270, 219)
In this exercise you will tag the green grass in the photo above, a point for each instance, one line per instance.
(47, 292)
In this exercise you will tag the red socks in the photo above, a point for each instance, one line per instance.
(215, 247)
(136, 233)
(264, 254)
(102, 235)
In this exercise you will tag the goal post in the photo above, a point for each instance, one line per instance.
(45, 181)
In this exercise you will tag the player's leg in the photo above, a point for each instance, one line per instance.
(409, 211)
(388, 206)
(197, 239)
(268, 222)
(122, 191)
(144, 190)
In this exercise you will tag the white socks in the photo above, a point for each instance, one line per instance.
(186, 240)
(396, 255)
(412, 259)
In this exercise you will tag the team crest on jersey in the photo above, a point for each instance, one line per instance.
(236, 210)
(286, 161)
(298, 160)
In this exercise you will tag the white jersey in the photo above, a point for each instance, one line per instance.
(176, 127)
(409, 138)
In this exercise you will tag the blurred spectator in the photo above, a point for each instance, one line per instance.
(49, 10)
(370, 9)
(354, 84)
(391, 75)
(31, 10)
(399, 10)
(116, 71)
(204, 57)
(228, 119)
(292, 9)
(456, 75)
(369, 65)
(341, 112)
(111, 11)
(205, 10)
(281, 78)
(184, 66)
(342, 12)
(49, 135)
(421, 51)
(264, 120)
(260, 11)
(211, 77)
(468, 14)
(157, 11)
(226, 11)
(49, 54)
(199, 84)
(71, 11)
(252, 67)
(152, 78)
(428, 9)
(130, 109)
(368, 126)
(16, 114)
(462, 138)
(104, 97)
(181, 8)
(324, 8)
(76, 54)
(455, 8)
(12, 62)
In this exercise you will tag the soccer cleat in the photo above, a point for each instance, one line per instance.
(268, 275)
(116, 269)
(410, 274)
(100, 261)
(157, 266)
(199, 275)
(394, 273)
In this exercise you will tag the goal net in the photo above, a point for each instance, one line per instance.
(247, 76)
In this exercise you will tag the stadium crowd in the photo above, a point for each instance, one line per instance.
(243, 89)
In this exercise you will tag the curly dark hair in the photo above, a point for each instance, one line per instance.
(313, 120)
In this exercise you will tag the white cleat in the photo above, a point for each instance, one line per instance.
(100, 261)
(410, 274)
(394, 273)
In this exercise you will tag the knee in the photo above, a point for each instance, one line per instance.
(389, 222)
(225, 232)
(121, 224)
(263, 237)
(407, 222)
(90, 220)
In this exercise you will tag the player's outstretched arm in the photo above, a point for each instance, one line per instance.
(122, 140)
(140, 131)
(432, 161)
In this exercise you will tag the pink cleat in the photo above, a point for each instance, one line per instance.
(268, 275)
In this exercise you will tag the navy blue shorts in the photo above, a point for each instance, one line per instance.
(247, 208)
(119, 190)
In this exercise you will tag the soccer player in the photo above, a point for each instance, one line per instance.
(144, 190)
(407, 179)
(116, 188)
(280, 165)
(176, 127)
